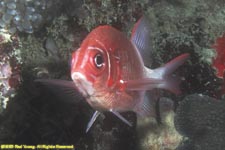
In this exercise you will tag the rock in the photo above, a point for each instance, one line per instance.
(201, 119)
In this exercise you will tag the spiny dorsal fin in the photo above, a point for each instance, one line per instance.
(141, 39)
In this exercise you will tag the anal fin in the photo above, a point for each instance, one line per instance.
(146, 107)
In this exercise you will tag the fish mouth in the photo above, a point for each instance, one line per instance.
(84, 86)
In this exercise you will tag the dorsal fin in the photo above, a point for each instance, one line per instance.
(141, 39)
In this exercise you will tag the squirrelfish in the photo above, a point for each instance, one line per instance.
(110, 71)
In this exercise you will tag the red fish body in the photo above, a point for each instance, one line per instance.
(110, 71)
(106, 84)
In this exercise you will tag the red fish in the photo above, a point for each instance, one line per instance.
(109, 70)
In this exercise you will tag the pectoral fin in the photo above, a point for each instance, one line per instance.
(65, 90)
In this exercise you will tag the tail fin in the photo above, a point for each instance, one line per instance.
(171, 82)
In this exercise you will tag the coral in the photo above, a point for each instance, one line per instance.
(29, 15)
(32, 49)
(21, 15)
(218, 61)
(48, 54)
(186, 26)
(39, 60)
(62, 33)
(117, 13)
(36, 48)
(151, 135)
(154, 135)
(9, 67)
(200, 118)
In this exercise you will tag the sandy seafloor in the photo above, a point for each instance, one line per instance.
(37, 38)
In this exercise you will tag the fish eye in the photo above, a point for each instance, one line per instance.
(98, 60)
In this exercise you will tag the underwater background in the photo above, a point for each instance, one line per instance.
(37, 38)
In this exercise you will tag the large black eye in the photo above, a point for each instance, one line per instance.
(98, 60)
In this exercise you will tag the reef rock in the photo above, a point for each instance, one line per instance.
(201, 119)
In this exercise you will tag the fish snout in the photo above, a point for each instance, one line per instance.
(82, 83)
